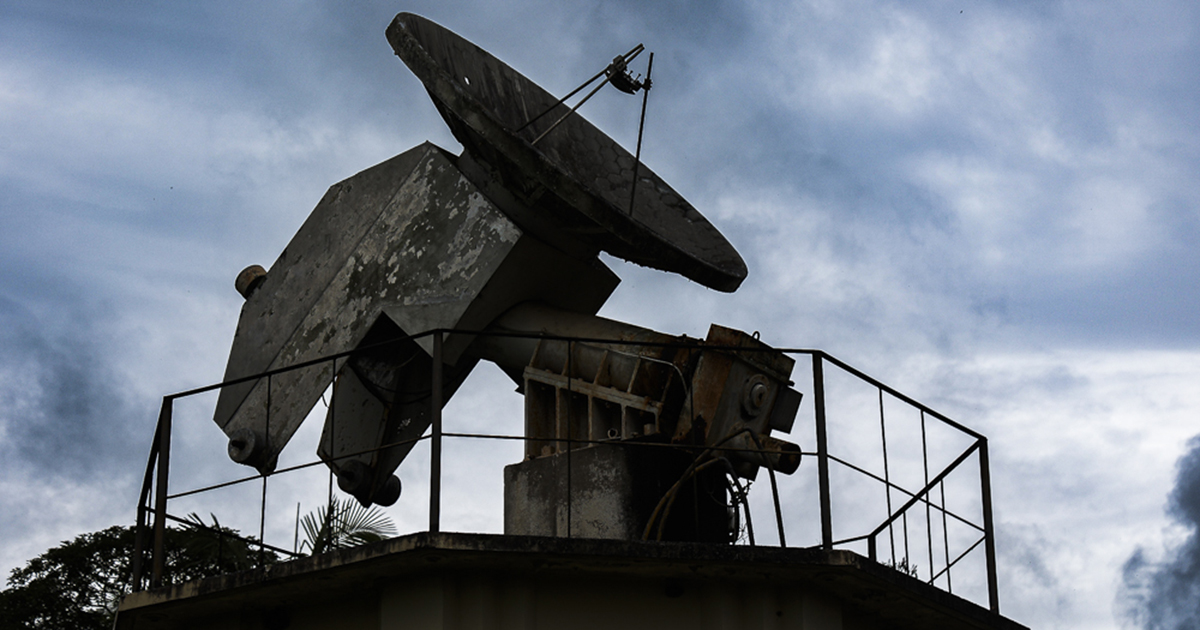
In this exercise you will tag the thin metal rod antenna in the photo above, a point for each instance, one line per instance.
(561, 101)
(579, 104)
(568, 114)
(637, 158)
(629, 56)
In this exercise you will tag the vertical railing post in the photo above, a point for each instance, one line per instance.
(262, 506)
(435, 441)
(569, 405)
(139, 548)
(822, 452)
(333, 460)
(262, 524)
(989, 528)
(925, 497)
(946, 537)
(887, 480)
(137, 563)
(160, 492)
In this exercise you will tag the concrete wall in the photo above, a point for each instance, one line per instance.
(505, 602)
(501, 603)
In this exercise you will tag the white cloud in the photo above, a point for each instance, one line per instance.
(893, 74)
(1083, 446)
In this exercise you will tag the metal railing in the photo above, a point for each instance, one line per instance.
(894, 530)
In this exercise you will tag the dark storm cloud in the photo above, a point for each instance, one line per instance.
(63, 414)
(1166, 595)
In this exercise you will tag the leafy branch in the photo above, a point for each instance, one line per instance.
(344, 523)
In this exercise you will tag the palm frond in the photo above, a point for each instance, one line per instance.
(344, 523)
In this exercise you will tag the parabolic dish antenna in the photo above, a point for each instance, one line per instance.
(573, 187)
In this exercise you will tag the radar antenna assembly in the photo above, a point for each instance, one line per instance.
(497, 247)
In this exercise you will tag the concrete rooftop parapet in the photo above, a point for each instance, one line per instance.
(447, 580)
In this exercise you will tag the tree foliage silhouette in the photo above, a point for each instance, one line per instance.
(78, 584)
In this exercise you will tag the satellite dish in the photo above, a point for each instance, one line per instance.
(573, 187)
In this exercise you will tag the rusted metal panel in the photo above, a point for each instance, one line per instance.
(435, 253)
(297, 281)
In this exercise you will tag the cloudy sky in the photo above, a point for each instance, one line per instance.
(993, 206)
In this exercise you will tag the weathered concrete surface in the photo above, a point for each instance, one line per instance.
(613, 491)
(485, 581)
(410, 239)
(575, 184)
